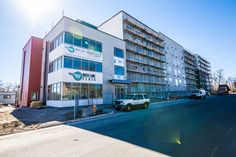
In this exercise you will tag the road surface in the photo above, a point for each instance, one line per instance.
(201, 128)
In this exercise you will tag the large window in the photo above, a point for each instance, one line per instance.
(54, 91)
(68, 62)
(84, 91)
(77, 63)
(71, 91)
(55, 65)
(85, 65)
(82, 42)
(99, 67)
(92, 90)
(68, 38)
(74, 63)
(85, 43)
(82, 64)
(119, 70)
(118, 52)
(76, 40)
(92, 66)
(56, 42)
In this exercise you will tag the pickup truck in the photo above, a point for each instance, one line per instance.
(131, 101)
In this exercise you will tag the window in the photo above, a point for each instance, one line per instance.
(99, 67)
(118, 52)
(55, 65)
(85, 43)
(98, 47)
(77, 40)
(6, 96)
(50, 67)
(68, 38)
(92, 66)
(92, 90)
(92, 45)
(84, 91)
(99, 90)
(67, 62)
(77, 63)
(119, 70)
(85, 65)
(34, 96)
(67, 91)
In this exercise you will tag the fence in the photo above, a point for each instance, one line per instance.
(154, 96)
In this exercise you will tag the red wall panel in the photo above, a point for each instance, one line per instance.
(31, 70)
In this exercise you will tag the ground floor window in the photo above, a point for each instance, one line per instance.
(70, 91)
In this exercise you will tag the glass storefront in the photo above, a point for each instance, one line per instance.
(68, 91)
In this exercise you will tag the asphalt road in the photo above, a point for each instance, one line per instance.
(201, 128)
(182, 128)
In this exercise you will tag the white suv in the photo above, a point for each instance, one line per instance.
(132, 100)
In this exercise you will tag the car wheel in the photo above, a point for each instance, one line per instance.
(145, 105)
(117, 109)
(129, 108)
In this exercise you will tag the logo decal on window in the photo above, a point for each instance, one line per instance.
(71, 49)
(77, 75)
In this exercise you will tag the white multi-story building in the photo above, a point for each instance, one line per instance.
(174, 65)
(81, 62)
(145, 54)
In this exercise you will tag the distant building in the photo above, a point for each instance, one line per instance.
(204, 75)
(190, 70)
(7, 98)
(175, 67)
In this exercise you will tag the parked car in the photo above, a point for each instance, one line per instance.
(131, 101)
(200, 93)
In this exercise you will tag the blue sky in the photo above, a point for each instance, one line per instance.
(204, 27)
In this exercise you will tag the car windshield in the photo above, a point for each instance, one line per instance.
(196, 91)
(128, 97)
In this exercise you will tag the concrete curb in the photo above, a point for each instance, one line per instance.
(90, 118)
(56, 123)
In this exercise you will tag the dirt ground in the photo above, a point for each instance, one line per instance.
(9, 123)
(13, 120)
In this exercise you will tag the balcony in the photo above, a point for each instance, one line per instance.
(150, 63)
(147, 53)
(134, 31)
(133, 21)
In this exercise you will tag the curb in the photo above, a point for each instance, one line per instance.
(56, 123)
(89, 118)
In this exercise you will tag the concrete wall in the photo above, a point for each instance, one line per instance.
(114, 25)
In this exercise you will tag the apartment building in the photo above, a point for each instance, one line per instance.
(145, 55)
(190, 70)
(203, 72)
(175, 66)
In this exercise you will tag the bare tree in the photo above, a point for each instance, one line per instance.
(8, 87)
(218, 76)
